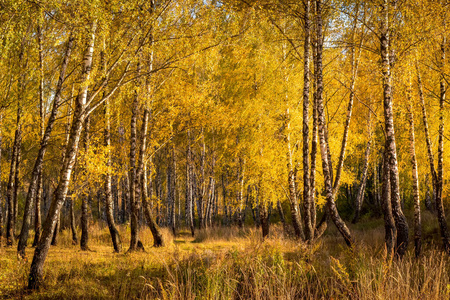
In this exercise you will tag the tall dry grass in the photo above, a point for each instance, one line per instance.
(231, 263)
(282, 269)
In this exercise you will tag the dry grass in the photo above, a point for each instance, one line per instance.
(230, 263)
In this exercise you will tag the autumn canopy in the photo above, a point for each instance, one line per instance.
(198, 114)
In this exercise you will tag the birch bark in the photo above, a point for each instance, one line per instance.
(400, 220)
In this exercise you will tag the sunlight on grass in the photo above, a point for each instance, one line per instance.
(228, 263)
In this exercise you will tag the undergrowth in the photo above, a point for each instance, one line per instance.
(230, 263)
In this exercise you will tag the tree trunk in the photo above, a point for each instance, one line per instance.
(400, 220)
(179, 215)
(37, 208)
(11, 193)
(142, 175)
(312, 176)
(329, 190)
(159, 195)
(73, 227)
(158, 240)
(109, 208)
(265, 222)
(123, 183)
(10, 189)
(35, 277)
(133, 201)
(440, 177)
(443, 225)
(56, 231)
(37, 213)
(211, 191)
(124, 186)
(37, 169)
(415, 179)
(362, 187)
(210, 202)
(17, 182)
(116, 199)
(307, 199)
(169, 196)
(293, 200)
(189, 209)
(389, 224)
(354, 71)
(216, 206)
(224, 199)
(171, 188)
(84, 241)
(47, 197)
(174, 185)
(240, 192)
(1, 204)
(201, 186)
(312, 194)
(327, 141)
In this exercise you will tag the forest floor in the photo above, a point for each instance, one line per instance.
(233, 263)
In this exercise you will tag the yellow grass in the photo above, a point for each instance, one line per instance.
(230, 263)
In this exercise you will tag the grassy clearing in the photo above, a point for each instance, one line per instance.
(229, 263)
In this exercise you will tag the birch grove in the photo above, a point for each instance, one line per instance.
(197, 115)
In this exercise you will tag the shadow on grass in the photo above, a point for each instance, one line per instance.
(102, 281)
